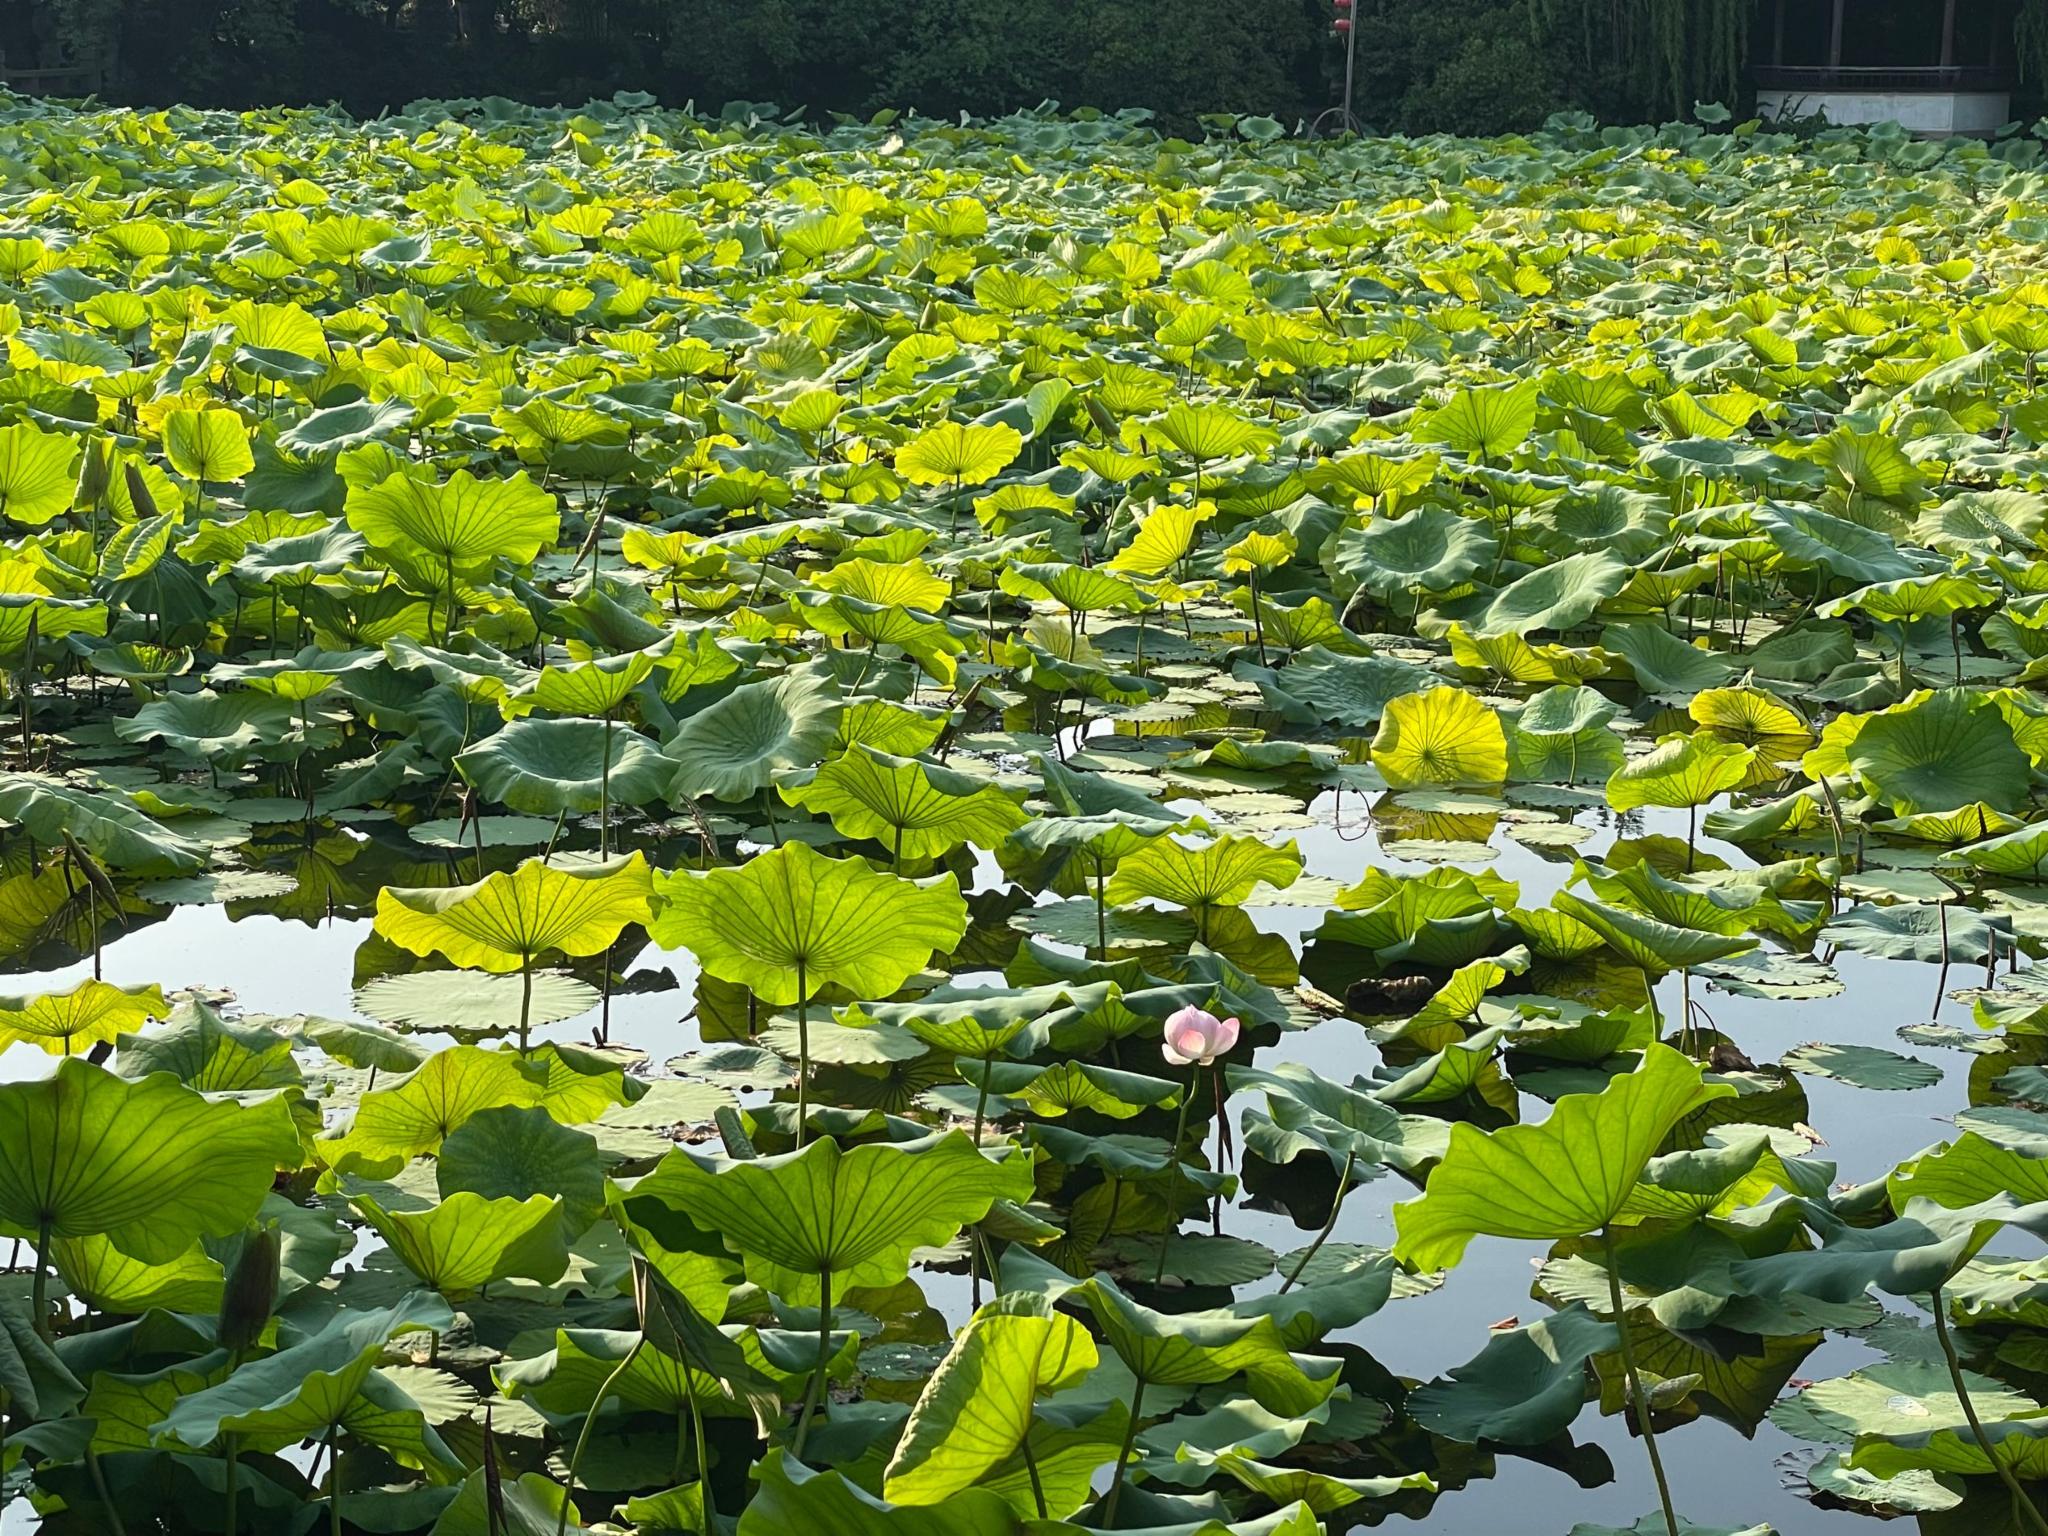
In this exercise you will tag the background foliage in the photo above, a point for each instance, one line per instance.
(1478, 66)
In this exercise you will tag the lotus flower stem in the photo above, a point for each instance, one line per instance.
(1180, 1129)
(1636, 1393)
(525, 1000)
(1322, 1237)
(590, 1423)
(815, 1392)
(234, 1448)
(2024, 1507)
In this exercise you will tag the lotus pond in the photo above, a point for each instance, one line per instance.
(1019, 827)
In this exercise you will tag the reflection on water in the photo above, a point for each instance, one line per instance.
(280, 966)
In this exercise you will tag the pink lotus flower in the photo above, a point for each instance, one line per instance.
(1195, 1037)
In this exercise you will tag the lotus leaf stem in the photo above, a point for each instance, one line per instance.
(815, 1392)
(1180, 1129)
(1637, 1395)
(2023, 1506)
(1322, 1237)
(590, 1423)
(1123, 1457)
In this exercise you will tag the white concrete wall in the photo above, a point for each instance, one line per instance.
(1929, 112)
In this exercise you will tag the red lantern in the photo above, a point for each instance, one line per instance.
(1342, 5)
(1342, 25)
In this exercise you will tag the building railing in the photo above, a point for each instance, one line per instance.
(1844, 77)
(66, 80)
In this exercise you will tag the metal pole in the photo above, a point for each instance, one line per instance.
(1948, 35)
(1835, 39)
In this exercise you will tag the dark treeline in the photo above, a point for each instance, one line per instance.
(1469, 66)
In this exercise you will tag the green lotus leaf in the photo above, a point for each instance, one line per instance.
(1939, 751)
(150, 1165)
(764, 1366)
(595, 687)
(305, 1391)
(108, 825)
(1917, 597)
(223, 727)
(1076, 588)
(357, 1044)
(548, 767)
(416, 1115)
(1558, 597)
(1865, 1066)
(957, 453)
(1975, 1168)
(72, 1022)
(1484, 423)
(792, 1500)
(1319, 684)
(1647, 943)
(475, 1002)
(792, 921)
(1919, 1251)
(1895, 1397)
(1680, 771)
(36, 473)
(1068, 1086)
(753, 736)
(1569, 1176)
(2019, 854)
(514, 1152)
(1304, 1487)
(979, 1407)
(205, 1051)
(209, 445)
(853, 1217)
(1929, 931)
(458, 524)
(1197, 1349)
(102, 1276)
(1429, 549)
(1523, 1388)
(336, 428)
(1203, 433)
(1238, 1424)
(1442, 737)
(32, 1374)
(1307, 1115)
(1220, 872)
(504, 921)
(917, 810)
(1662, 662)
(480, 674)
(2019, 1444)
(469, 1240)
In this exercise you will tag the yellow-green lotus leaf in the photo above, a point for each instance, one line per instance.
(1441, 737)
(503, 921)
